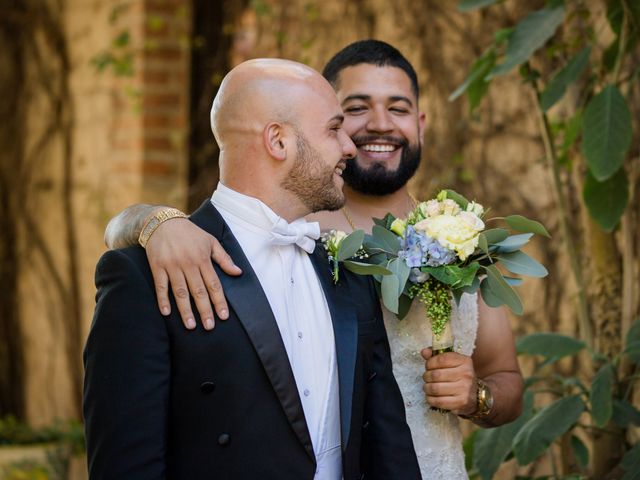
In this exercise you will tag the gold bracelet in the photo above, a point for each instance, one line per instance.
(155, 221)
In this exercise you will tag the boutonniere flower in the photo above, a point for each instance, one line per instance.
(349, 250)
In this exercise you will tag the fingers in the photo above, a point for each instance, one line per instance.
(200, 295)
(214, 288)
(181, 294)
(426, 353)
(161, 282)
(220, 256)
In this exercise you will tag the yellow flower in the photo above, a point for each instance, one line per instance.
(398, 226)
(455, 232)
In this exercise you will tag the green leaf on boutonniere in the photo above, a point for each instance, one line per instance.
(495, 235)
(361, 268)
(503, 290)
(523, 224)
(386, 239)
(350, 245)
(522, 264)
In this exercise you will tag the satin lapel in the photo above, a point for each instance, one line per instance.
(245, 295)
(345, 331)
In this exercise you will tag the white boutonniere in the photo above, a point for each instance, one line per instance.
(349, 250)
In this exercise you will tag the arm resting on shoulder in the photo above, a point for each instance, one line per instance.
(180, 254)
(127, 371)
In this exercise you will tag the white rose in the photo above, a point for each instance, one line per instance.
(472, 219)
(430, 208)
(475, 208)
(450, 207)
(452, 232)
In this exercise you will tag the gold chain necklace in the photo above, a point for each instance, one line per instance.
(345, 212)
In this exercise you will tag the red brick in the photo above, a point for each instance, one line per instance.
(150, 167)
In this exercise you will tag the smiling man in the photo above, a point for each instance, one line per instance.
(378, 91)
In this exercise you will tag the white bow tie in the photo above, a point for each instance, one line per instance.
(302, 233)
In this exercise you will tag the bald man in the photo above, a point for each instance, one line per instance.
(297, 384)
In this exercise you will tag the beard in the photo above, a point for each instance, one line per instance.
(377, 180)
(311, 180)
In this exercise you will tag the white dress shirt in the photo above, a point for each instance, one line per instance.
(300, 308)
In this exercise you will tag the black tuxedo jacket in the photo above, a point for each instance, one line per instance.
(164, 402)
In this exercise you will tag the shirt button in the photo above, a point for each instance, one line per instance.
(300, 335)
(306, 392)
(292, 282)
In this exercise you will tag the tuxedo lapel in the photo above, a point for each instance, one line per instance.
(345, 331)
(245, 295)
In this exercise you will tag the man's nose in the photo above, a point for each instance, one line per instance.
(379, 121)
(349, 149)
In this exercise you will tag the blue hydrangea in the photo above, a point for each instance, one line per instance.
(419, 250)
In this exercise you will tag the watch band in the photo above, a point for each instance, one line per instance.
(155, 221)
(484, 401)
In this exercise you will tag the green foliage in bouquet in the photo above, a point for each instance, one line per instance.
(433, 248)
(577, 409)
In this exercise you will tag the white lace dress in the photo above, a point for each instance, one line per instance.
(436, 436)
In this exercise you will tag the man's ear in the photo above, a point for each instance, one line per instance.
(275, 141)
(422, 123)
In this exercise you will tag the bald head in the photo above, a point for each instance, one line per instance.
(260, 91)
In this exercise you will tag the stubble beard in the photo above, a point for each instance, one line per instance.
(311, 180)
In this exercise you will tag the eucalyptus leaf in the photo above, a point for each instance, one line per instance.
(545, 426)
(513, 281)
(513, 243)
(606, 132)
(385, 222)
(361, 268)
(580, 451)
(495, 235)
(503, 290)
(399, 268)
(386, 239)
(550, 345)
(601, 395)
(565, 77)
(522, 264)
(453, 274)
(470, 5)
(482, 243)
(473, 288)
(529, 35)
(350, 245)
(459, 199)
(493, 445)
(389, 288)
(606, 200)
(523, 224)
(404, 305)
(488, 296)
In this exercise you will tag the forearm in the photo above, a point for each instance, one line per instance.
(124, 229)
(506, 390)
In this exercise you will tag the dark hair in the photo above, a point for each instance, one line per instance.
(373, 52)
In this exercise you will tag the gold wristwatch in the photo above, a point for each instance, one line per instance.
(484, 401)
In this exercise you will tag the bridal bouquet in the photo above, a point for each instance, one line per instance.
(441, 250)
